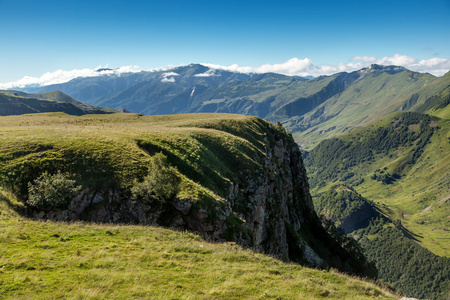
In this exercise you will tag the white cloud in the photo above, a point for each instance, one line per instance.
(168, 74)
(397, 60)
(294, 66)
(305, 67)
(61, 76)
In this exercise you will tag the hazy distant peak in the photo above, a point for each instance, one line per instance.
(99, 70)
(391, 69)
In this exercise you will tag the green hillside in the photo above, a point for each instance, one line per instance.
(438, 104)
(402, 164)
(118, 145)
(46, 260)
(18, 103)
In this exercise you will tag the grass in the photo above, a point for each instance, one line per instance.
(113, 152)
(47, 260)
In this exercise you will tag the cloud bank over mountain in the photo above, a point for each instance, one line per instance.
(61, 76)
(294, 66)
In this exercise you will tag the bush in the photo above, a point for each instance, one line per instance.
(52, 190)
(161, 183)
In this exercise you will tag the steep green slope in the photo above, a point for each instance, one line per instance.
(345, 207)
(234, 178)
(46, 260)
(438, 104)
(402, 163)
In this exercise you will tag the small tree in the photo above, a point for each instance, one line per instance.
(161, 183)
(52, 190)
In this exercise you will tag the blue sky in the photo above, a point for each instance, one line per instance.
(304, 37)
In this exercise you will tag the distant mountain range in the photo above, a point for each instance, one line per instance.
(312, 109)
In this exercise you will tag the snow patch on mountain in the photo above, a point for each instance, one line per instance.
(209, 73)
(169, 77)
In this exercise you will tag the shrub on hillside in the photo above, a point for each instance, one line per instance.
(52, 190)
(160, 184)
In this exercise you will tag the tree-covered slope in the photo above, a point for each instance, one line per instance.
(410, 268)
(345, 208)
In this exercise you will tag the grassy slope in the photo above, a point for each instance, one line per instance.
(16, 103)
(366, 100)
(113, 149)
(418, 198)
(45, 260)
(82, 145)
